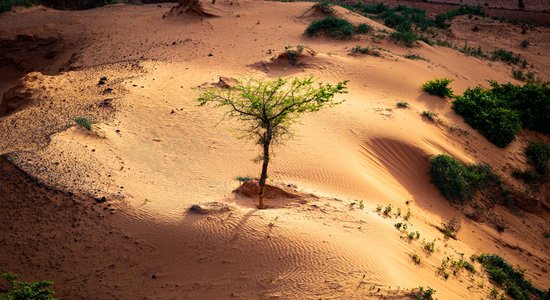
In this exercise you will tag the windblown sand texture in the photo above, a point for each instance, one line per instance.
(153, 153)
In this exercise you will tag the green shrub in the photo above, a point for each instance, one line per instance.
(457, 181)
(424, 294)
(507, 56)
(407, 38)
(413, 57)
(363, 28)
(331, 26)
(442, 20)
(430, 115)
(365, 50)
(402, 104)
(84, 122)
(6, 5)
(538, 154)
(531, 101)
(472, 51)
(512, 280)
(498, 116)
(26, 290)
(325, 7)
(438, 87)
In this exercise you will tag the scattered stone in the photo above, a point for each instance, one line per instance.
(101, 200)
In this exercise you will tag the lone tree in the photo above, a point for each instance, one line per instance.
(269, 108)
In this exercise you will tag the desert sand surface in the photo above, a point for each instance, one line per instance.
(105, 213)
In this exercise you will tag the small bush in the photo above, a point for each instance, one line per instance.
(429, 247)
(457, 181)
(326, 7)
(413, 57)
(84, 122)
(451, 228)
(402, 104)
(438, 87)
(363, 28)
(480, 108)
(416, 258)
(506, 56)
(365, 50)
(442, 20)
(424, 293)
(244, 178)
(430, 115)
(27, 290)
(538, 154)
(335, 27)
(501, 112)
(472, 51)
(407, 38)
(512, 280)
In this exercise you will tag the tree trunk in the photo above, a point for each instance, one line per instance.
(263, 177)
(190, 6)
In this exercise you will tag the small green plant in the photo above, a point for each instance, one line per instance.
(325, 7)
(19, 290)
(450, 228)
(424, 293)
(293, 53)
(457, 181)
(507, 56)
(429, 246)
(413, 57)
(527, 76)
(402, 104)
(363, 28)
(500, 113)
(84, 122)
(415, 258)
(538, 154)
(430, 115)
(407, 216)
(242, 179)
(406, 38)
(378, 208)
(387, 210)
(359, 204)
(509, 278)
(365, 50)
(439, 87)
(335, 27)
(472, 51)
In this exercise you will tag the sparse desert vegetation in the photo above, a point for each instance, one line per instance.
(439, 87)
(501, 112)
(336, 27)
(145, 150)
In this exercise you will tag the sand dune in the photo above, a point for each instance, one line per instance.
(153, 153)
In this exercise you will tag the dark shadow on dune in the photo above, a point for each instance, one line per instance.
(433, 102)
(92, 250)
(409, 165)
